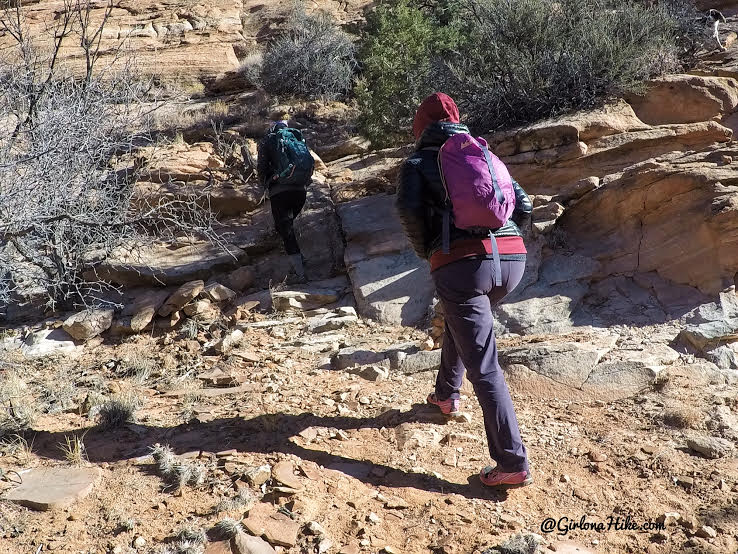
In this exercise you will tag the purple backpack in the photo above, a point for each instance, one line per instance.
(478, 187)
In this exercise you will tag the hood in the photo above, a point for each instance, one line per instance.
(437, 133)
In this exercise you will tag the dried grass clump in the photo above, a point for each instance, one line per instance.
(118, 411)
(74, 450)
(17, 406)
(683, 417)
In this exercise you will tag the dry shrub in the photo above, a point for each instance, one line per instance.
(683, 417)
(314, 58)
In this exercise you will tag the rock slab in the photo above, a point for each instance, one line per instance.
(54, 488)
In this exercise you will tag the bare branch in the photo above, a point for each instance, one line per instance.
(68, 166)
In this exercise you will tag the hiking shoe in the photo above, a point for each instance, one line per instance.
(448, 407)
(493, 477)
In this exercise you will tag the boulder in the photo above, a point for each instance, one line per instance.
(553, 171)
(541, 308)
(343, 148)
(685, 99)
(312, 296)
(611, 119)
(179, 298)
(48, 342)
(349, 357)
(725, 356)
(620, 379)
(636, 222)
(239, 279)
(393, 289)
(180, 162)
(168, 322)
(203, 310)
(410, 437)
(568, 363)
(275, 527)
(391, 284)
(218, 293)
(711, 447)
(370, 174)
(248, 544)
(89, 323)
(712, 325)
(332, 321)
(229, 341)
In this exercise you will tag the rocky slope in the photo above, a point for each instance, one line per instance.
(298, 410)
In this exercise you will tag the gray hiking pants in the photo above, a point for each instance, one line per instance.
(468, 293)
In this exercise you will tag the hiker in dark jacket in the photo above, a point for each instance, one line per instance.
(287, 199)
(465, 283)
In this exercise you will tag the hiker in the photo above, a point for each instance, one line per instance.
(285, 168)
(473, 267)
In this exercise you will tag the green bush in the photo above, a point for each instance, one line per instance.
(526, 60)
(313, 58)
(401, 42)
(509, 62)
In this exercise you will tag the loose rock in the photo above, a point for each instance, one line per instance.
(89, 323)
(710, 447)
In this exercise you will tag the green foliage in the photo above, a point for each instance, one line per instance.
(400, 45)
(314, 58)
(509, 62)
(526, 60)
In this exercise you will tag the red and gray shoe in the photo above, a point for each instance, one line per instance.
(496, 479)
(449, 407)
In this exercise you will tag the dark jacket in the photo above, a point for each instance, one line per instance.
(266, 166)
(421, 196)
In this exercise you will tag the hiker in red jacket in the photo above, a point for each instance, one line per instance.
(470, 280)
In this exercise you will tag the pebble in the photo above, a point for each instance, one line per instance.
(324, 546)
(706, 532)
(375, 373)
(259, 475)
(669, 518)
(686, 482)
(461, 417)
(314, 528)
(139, 542)
(597, 456)
(373, 518)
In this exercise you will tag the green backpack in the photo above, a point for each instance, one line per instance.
(294, 163)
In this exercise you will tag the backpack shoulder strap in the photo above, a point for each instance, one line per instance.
(295, 133)
(498, 191)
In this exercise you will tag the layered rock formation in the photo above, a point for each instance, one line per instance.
(634, 203)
